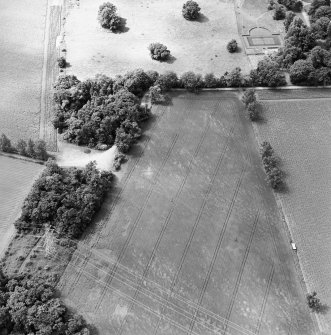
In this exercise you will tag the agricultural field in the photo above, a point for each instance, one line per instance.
(16, 179)
(190, 240)
(299, 129)
(22, 54)
(195, 46)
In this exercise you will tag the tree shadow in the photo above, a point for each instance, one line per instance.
(123, 28)
(202, 18)
(170, 60)
(324, 308)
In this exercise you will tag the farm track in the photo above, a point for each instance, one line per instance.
(242, 267)
(50, 73)
(134, 283)
(169, 215)
(176, 309)
(264, 303)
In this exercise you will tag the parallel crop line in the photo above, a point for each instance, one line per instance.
(133, 228)
(174, 281)
(216, 251)
(169, 215)
(266, 294)
(241, 271)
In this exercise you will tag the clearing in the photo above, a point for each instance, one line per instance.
(191, 240)
(21, 54)
(16, 179)
(195, 46)
(298, 126)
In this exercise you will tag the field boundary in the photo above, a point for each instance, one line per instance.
(22, 158)
(287, 228)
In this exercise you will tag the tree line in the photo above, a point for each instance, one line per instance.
(36, 150)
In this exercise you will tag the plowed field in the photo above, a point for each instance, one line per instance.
(191, 241)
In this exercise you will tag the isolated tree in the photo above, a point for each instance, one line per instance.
(191, 10)
(108, 17)
(5, 144)
(313, 302)
(279, 13)
(159, 51)
(61, 62)
(300, 71)
(232, 46)
(191, 81)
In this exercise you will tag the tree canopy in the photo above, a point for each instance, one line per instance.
(64, 199)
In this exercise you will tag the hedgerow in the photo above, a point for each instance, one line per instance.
(36, 150)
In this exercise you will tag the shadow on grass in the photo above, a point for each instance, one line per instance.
(171, 59)
(202, 18)
(324, 309)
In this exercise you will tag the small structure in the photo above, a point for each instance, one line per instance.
(294, 247)
(260, 40)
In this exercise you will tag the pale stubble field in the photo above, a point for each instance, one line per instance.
(22, 28)
(196, 46)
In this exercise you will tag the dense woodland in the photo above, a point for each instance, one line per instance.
(64, 199)
(306, 53)
(30, 306)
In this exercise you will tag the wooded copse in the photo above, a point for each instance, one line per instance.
(64, 199)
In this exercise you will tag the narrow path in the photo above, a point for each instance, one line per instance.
(50, 72)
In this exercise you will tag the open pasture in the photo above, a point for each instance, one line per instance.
(300, 132)
(16, 178)
(22, 29)
(195, 46)
(190, 240)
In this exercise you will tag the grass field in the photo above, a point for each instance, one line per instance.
(190, 241)
(22, 24)
(300, 132)
(196, 46)
(16, 178)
